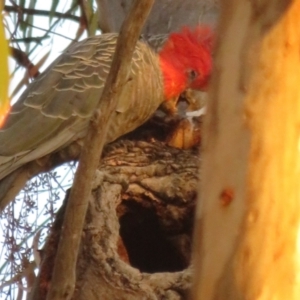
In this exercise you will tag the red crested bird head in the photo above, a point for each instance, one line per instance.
(186, 60)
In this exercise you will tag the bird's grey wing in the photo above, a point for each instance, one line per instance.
(55, 109)
(141, 95)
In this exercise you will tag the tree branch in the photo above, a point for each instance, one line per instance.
(64, 275)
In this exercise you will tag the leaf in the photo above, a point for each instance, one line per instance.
(4, 76)
(29, 20)
(23, 26)
(53, 9)
(93, 26)
(91, 17)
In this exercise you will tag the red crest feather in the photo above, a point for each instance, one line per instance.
(186, 60)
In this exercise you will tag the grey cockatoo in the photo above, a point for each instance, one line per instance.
(55, 109)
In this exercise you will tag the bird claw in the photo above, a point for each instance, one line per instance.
(170, 106)
(193, 104)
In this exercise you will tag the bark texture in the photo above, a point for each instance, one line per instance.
(248, 222)
(136, 242)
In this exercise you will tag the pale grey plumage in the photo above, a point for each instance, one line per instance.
(55, 108)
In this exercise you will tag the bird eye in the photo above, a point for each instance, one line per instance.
(192, 74)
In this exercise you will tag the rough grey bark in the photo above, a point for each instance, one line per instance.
(166, 15)
(137, 234)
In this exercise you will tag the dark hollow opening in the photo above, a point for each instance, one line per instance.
(149, 247)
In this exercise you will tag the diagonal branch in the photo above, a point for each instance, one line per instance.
(64, 274)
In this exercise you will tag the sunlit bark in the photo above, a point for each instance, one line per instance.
(249, 221)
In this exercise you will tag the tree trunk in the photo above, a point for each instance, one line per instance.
(248, 226)
(136, 242)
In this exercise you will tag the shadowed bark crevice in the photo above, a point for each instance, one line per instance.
(150, 245)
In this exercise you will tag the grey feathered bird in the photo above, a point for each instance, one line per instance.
(55, 109)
